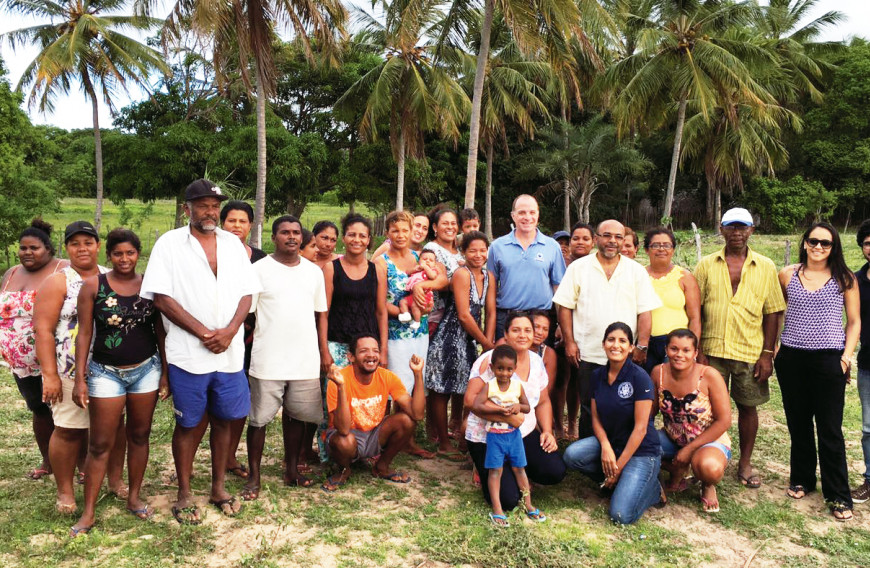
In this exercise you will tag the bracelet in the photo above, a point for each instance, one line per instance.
(767, 351)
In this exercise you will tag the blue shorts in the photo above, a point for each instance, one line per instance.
(106, 381)
(225, 396)
(670, 449)
(504, 447)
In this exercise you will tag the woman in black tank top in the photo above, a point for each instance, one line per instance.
(126, 370)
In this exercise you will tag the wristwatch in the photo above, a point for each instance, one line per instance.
(642, 347)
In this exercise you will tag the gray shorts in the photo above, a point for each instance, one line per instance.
(367, 443)
(300, 399)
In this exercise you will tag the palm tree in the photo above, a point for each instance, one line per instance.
(80, 43)
(409, 90)
(589, 156)
(511, 95)
(681, 56)
(529, 22)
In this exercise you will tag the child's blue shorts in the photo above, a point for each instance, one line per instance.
(502, 447)
(225, 396)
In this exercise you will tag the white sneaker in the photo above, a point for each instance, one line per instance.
(405, 317)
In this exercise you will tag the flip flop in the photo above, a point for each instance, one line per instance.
(839, 513)
(394, 477)
(304, 468)
(249, 494)
(300, 481)
(226, 506)
(142, 514)
(80, 477)
(421, 453)
(38, 473)
(753, 481)
(239, 471)
(74, 532)
(499, 520)
(536, 515)
(793, 490)
(707, 505)
(192, 515)
(333, 482)
(120, 493)
(453, 456)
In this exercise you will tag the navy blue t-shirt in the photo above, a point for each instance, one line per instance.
(615, 405)
(864, 292)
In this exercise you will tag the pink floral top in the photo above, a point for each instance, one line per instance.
(17, 340)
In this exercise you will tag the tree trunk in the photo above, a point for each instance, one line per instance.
(260, 196)
(400, 162)
(566, 184)
(675, 160)
(711, 203)
(717, 212)
(487, 215)
(179, 210)
(476, 101)
(98, 153)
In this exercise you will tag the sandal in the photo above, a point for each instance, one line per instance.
(249, 493)
(752, 481)
(452, 455)
(706, 504)
(227, 506)
(38, 473)
(239, 471)
(394, 477)
(335, 481)
(841, 513)
(121, 492)
(663, 498)
(65, 508)
(300, 481)
(142, 514)
(74, 532)
(536, 514)
(793, 491)
(304, 467)
(187, 515)
(499, 520)
(421, 453)
(80, 477)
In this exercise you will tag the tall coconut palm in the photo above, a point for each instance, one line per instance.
(241, 33)
(589, 156)
(409, 90)
(81, 42)
(682, 56)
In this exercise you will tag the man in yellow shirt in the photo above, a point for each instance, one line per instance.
(741, 301)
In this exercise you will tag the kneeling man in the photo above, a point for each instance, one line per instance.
(356, 399)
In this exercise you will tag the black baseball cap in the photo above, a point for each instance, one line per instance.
(561, 235)
(77, 227)
(203, 188)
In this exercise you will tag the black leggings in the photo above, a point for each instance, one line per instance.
(542, 468)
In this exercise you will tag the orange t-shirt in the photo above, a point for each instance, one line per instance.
(368, 403)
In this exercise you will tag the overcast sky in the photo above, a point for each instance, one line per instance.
(73, 111)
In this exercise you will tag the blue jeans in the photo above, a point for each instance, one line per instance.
(864, 394)
(638, 487)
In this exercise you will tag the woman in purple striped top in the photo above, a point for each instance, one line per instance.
(814, 362)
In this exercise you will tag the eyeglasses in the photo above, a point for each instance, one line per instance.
(661, 246)
(609, 236)
(825, 243)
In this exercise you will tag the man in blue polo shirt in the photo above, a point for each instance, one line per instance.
(527, 264)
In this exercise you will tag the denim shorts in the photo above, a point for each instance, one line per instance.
(670, 449)
(105, 381)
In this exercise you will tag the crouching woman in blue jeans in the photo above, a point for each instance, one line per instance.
(625, 454)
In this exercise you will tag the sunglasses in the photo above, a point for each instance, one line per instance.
(825, 243)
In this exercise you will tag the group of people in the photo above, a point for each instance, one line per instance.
(489, 342)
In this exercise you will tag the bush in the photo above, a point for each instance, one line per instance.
(785, 205)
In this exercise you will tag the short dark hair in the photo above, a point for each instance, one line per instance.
(435, 216)
(352, 219)
(629, 232)
(41, 230)
(356, 339)
(470, 237)
(428, 251)
(648, 236)
(121, 235)
(516, 314)
(468, 214)
(503, 351)
(321, 226)
(863, 232)
(618, 325)
(236, 205)
(681, 333)
(284, 219)
(582, 225)
(306, 238)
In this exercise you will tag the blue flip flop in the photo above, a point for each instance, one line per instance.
(499, 520)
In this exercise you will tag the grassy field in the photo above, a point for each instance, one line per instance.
(437, 520)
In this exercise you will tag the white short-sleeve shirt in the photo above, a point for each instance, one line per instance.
(285, 337)
(475, 430)
(178, 268)
(598, 302)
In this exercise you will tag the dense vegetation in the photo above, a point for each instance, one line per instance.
(644, 110)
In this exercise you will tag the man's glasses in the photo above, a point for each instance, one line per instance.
(609, 236)
(825, 243)
(661, 246)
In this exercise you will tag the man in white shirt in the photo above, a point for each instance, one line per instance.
(201, 280)
(598, 290)
(285, 360)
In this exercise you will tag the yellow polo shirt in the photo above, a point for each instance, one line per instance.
(732, 323)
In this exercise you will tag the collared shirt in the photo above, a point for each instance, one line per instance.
(526, 277)
(178, 268)
(598, 302)
(864, 292)
(615, 407)
(732, 322)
